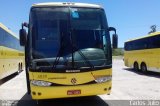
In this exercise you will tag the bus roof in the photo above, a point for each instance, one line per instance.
(66, 4)
(149, 35)
(7, 30)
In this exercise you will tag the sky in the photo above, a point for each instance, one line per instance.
(131, 18)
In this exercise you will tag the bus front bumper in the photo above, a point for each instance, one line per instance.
(38, 92)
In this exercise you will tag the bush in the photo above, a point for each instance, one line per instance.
(118, 52)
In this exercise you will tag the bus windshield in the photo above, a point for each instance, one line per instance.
(58, 32)
(89, 27)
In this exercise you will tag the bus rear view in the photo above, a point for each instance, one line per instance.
(68, 50)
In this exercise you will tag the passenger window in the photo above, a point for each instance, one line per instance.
(155, 42)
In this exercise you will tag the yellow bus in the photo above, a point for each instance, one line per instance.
(11, 53)
(143, 53)
(68, 50)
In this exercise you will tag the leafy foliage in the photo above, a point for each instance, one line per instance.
(118, 52)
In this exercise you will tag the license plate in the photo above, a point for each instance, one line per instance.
(73, 92)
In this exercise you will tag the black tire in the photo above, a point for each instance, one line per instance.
(19, 69)
(135, 66)
(144, 68)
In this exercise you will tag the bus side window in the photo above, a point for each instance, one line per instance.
(104, 42)
(1, 36)
(154, 42)
(126, 46)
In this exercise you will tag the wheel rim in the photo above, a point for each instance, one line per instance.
(144, 68)
(136, 66)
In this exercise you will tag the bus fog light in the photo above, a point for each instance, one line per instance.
(40, 83)
(103, 79)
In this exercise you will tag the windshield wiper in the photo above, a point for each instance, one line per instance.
(79, 51)
(85, 59)
(59, 52)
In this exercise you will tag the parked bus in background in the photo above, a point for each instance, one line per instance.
(143, 53)
(67, 50)
(11, 53)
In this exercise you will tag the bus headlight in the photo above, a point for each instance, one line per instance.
(103, 79)
(40, 83)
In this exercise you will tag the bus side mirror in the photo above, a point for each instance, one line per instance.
(23, 34)
(114, 38)
(23, 37)
(114, 41)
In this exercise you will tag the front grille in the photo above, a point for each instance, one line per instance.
(91, 82)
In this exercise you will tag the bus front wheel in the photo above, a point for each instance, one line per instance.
(143, 68)
(136, 67)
